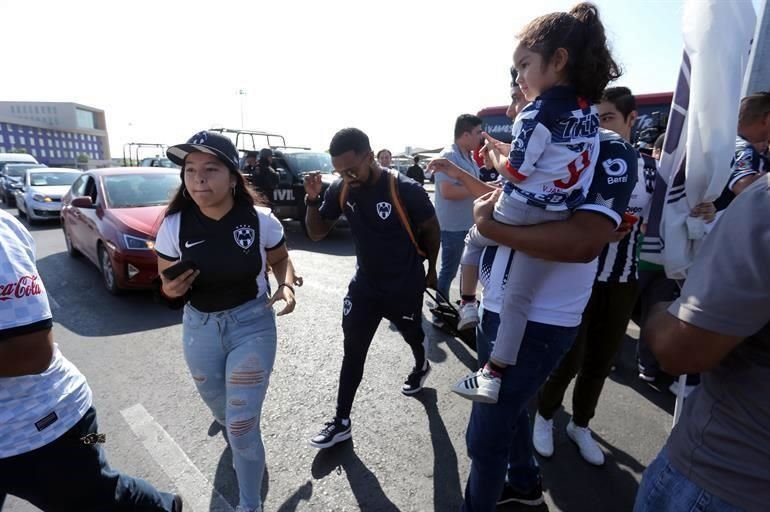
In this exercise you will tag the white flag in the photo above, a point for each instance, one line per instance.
(700, 141)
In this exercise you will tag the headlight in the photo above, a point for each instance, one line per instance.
(134, 242)
(40, 198)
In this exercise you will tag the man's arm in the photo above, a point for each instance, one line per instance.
(454, 191)
(429, 239)
(470, 184)
(683, 348)
(579, 239)
(317, 226)
(724, 299)
(741, 185)
(26, 354)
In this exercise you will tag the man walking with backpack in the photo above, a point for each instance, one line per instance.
(395, 229)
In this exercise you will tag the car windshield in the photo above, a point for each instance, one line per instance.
(137, 190)
(305, 162)
(53, 179)
(159, 162)
(18, 170)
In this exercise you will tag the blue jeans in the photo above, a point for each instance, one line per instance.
(452, 246)
(665, 489)
(230, 355)
(69, 475)
(498, 437)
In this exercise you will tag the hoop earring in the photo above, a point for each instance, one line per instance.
(185, 194)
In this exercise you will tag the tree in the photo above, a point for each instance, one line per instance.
(19, 150)
(83, 158)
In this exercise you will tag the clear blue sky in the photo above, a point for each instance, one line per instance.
(402, 70)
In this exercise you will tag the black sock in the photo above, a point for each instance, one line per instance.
(468, 298)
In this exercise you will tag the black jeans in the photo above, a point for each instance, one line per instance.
(601, 332)
(362, 311)
(68, 475)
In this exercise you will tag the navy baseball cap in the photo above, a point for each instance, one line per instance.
(206, 142)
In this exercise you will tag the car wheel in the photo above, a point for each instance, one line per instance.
(21, 213)
(108, 272)
(68, 242)
(30, 220)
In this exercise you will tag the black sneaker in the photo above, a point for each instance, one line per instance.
(178, 504)
(415, 380)
(333, 432)
(532, 498)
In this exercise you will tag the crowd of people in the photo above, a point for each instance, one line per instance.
(556, 243)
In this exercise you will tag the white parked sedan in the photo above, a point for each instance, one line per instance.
(39, 195)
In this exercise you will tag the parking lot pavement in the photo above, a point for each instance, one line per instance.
(406, 453)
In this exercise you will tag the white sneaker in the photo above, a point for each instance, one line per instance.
(481, 386)
(589, 449)
(469, 316)
(542, 436)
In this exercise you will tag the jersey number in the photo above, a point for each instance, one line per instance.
(574, 173)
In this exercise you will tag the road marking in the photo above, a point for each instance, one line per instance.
(198, 493)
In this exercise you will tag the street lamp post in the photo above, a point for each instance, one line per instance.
(242, 93)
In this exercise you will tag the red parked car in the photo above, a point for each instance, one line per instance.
(112, 216)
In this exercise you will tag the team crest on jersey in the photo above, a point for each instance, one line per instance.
(384, 209)
(244, 236)
(347, 305)
(520, 142)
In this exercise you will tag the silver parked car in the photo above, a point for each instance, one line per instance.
(38, 197)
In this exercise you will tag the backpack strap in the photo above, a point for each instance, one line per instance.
(401, 212)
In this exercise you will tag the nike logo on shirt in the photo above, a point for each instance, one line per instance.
(189, 244)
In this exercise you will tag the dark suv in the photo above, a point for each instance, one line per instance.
(291, 162)
(289, 196)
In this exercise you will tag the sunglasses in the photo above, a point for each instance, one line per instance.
(352, 172)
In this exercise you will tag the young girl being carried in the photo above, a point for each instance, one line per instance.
(563, 66)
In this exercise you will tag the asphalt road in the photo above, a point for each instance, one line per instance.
(407, 453)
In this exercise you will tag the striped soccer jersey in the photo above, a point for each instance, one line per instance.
(618, 261)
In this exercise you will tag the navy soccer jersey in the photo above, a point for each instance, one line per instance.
(385, 254)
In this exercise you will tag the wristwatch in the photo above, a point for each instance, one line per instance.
(315, 203)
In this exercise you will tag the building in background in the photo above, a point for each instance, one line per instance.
(57, 134)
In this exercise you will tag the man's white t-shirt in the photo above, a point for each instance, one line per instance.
(34, 409)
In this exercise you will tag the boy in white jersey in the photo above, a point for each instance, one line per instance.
(49, 447)
(549, 167)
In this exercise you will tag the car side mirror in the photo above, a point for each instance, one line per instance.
(82, 202)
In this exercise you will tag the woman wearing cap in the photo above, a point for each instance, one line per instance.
(229, 332)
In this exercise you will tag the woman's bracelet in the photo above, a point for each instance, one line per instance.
(287, 285)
